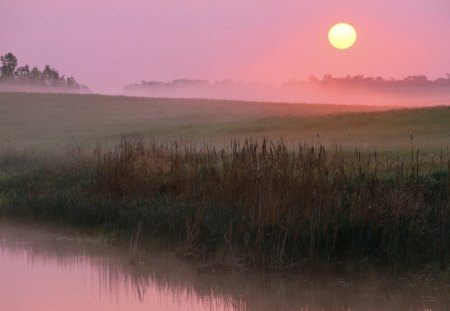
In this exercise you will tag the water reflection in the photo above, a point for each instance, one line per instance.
(42, 271)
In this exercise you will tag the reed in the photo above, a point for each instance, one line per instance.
(256, 201)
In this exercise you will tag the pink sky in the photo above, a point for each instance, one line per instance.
(106, 44)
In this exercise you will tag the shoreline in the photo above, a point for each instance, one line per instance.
(196, 201)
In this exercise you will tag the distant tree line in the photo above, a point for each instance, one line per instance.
(361, 80)
(192, 84)
(48, 78)
(414, 81)
(167, 85)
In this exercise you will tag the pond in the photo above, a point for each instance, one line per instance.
(41, 270)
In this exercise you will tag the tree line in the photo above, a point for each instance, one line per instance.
(413, 81)
(361, 80)
(48, 78)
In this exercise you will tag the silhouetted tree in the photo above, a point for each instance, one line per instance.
(9, 64)
(70, 82)
(35, 76)
(50, 76)
(22, 73)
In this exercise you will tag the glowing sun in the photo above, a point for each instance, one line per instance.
(342, 36)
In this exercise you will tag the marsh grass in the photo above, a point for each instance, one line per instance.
(255, 202)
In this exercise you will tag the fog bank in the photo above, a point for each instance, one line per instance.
(368, 91)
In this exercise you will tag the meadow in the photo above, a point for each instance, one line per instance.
(54, 121)
(277, 186)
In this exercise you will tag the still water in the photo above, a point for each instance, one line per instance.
(42, 271)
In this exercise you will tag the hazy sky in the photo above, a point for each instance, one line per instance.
(109, 43)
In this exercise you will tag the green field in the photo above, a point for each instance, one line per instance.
(51, 122)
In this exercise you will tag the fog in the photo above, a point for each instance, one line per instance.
(313, 92)
(296, 92)
(43, 89)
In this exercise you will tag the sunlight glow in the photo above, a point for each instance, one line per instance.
(342, 36)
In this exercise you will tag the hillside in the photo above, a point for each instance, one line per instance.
(55, 121)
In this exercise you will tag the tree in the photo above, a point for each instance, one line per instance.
(71, 83)
(50, 76)
(9, 64)
(22, 74)
(35, 76)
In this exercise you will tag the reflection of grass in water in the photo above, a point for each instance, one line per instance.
(115, 276)
(245, 291)
(256, 203)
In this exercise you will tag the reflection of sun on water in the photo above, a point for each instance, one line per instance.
(342, 36)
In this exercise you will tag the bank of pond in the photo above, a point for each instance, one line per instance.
(252, 205)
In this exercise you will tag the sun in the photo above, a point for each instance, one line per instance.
(342, 36)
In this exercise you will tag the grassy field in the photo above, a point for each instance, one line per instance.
(49, 122)
(345, 185)
(55, 122)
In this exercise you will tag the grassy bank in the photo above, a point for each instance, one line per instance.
(51, 122)
(255, 203)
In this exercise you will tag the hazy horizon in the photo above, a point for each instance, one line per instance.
(107, 46)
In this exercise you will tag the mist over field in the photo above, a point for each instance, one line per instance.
(40, 89)
(411, 91)
(293, 92)
(297, 92)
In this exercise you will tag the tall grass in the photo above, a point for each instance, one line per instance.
(255, 202)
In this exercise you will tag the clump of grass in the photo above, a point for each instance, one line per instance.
(257, 201)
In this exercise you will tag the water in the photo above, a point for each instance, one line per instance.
(48, 271)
